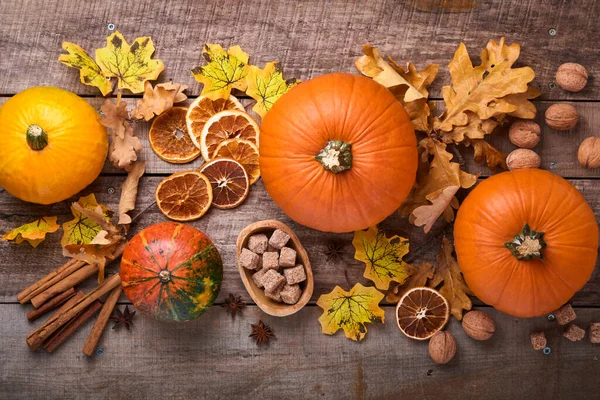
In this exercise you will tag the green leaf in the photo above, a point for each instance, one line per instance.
(226, 70)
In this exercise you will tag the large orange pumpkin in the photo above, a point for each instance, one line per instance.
(526, 241)
(338, 153)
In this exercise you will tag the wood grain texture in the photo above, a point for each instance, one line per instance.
(310, 38)
(22, 265)
(213, 358)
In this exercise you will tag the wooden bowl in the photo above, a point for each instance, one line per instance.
(266, 304)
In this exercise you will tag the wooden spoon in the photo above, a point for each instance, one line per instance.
(266, 304)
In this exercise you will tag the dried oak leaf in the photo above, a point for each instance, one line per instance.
(123, 150)
(90, 73)
(483, 151)
(115, 117)
(418, 277)
(382, 256)
(226, 70)
(34, 232)
(131, 65)
(158, 99)
(267, 85)
(454, 287)
(350, 311)
(129, 191)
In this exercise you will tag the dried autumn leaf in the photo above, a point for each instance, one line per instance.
(102, 248)
(426, 215)
(123, 151)
(83, 228)
(474, 129)
(131, 65)
(350, 311)
(158, 99)
(267, 85)
(89, 72)
(226, 70)
(454, 287)
(129, 191)
(418, 277)
(483, 151)
(33, 232)
(382, 256)
(115, 116)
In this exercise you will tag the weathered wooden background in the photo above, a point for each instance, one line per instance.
(213, 357)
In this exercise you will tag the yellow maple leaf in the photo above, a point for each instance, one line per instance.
(267, 85)
(382, 256)
(350, 311)
(83, 229)
(418, 277)
(158, 99)
(226, 70)
(34, 232)
(90, 73)
(454, 287)
(131, 65)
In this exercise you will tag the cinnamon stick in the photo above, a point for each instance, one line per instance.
(51, 305)
(69, 304)
(63, 334)
(40, 335)
(101, 321)
(52, 278)
(76, 277)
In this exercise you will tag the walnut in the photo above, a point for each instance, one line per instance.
(572, 77)
(442, 347)
(523, 158)
(524, 134)
(589, 152)
(561, 117)
(478, 325)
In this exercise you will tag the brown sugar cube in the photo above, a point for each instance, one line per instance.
(276, 294)
(565, 314)
(279, 239)
(271, 248)
(287, 257)
(270, 260)
(574, 333)
(290, 294)
(272, 280)
(295, 275)
(538, 340)
(249, 259)
(257, 277)
(595, 332)
(258, 243)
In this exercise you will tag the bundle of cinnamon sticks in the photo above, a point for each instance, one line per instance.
(57, 290)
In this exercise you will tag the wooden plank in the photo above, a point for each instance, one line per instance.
(309, 38)
(214, 358)
(23, 265)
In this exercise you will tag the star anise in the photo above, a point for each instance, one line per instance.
(334, 250)
(123, 318)
(261, 332)
(233, 305)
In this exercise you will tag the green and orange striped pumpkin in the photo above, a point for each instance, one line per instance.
(171, 272)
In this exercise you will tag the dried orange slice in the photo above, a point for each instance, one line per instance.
(229, 181)
(421, 312)
(169, 137)
(202, 109)
(225, 125)
(184, 196)
(243, 151)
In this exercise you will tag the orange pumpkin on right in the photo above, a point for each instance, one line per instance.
(526, 241)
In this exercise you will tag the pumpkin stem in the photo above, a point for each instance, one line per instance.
(527, 244)
(164, 276)
(36, 137)
(336, 156)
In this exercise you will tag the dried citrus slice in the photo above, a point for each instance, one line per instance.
(225, 125)
(243, 151)
(202, 109)
(169, 137)
(184, 196)
(229, 181)
(421, 312)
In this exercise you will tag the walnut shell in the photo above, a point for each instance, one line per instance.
(561, 117)
(572, 77)
(442, 347)
(478, 325)
(524, 134)
(522, 158)
(589, 152)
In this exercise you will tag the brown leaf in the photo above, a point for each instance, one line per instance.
(123, 151)
(474, 129)
(158, 99)
(483, 151)
(115, 116)
(453, 288)
(419, 276)
(426, 215)
(129, 191)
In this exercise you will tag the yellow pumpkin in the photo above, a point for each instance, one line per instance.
(51, 145)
